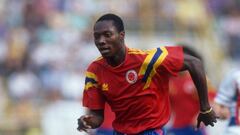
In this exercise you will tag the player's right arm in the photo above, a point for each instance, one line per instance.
(93, 100)
(91, 120)
(196, 70)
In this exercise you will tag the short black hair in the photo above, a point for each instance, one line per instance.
(117, 21)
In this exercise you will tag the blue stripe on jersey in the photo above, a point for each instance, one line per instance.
(90, 80)
(152, 62)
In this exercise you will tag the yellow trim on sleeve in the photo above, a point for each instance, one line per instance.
(89, 85)
(91, 75)
(155, 66)
(146, 62)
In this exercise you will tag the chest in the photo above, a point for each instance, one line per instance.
(121, 83)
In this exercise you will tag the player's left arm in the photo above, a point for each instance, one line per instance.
(196, 70)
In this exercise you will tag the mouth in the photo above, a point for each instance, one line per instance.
(104, 50)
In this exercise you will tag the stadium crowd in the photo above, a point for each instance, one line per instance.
(46, 45)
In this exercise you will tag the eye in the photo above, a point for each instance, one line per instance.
(108, 34)
(96, 36)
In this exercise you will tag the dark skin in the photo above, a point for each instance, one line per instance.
(110, 43)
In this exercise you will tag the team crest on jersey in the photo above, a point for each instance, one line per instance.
(131, 76)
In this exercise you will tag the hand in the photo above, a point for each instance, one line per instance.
(222, 111)
(208, 118)
(84, 123)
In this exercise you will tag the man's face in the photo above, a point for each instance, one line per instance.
(107, 39)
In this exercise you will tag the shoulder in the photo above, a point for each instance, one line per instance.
(99, 59)
(164, 49)
(156, 51)
(136, 51)
(167, 49)
(95, 64)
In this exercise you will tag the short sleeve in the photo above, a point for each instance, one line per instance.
(173, 62)
(227, 90)
(92, 96)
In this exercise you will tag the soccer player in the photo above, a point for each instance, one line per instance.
(135, 83)
(227, 102)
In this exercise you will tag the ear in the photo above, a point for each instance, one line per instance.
(122, 34)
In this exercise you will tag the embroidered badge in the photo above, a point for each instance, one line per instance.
(131, 76)
(105, 87)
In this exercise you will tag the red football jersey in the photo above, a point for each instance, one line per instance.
(136, 90)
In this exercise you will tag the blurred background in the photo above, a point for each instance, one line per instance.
(46, 45)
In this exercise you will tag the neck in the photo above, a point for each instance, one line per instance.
(118, 58)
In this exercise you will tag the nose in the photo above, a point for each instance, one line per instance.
(101, 40)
